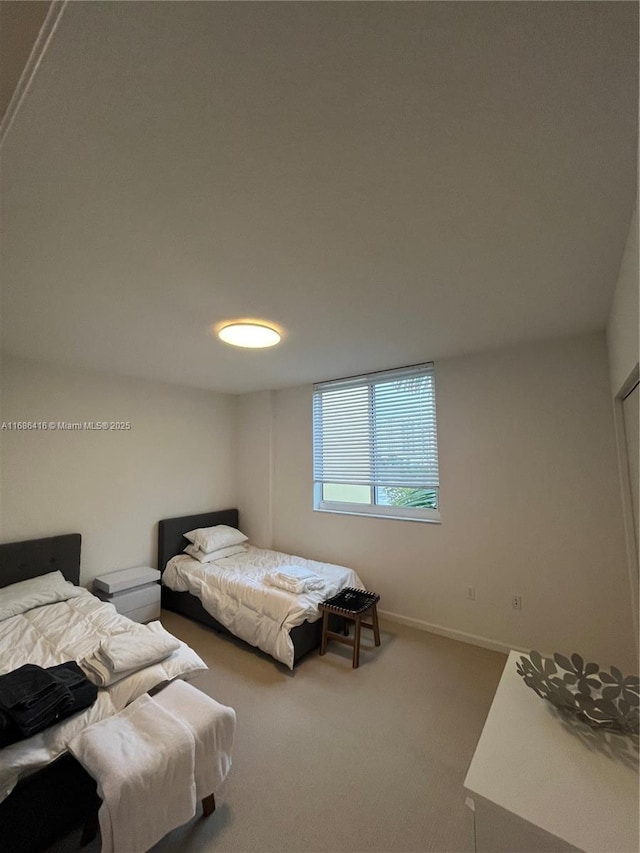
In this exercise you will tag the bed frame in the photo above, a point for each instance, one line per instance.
(171, 542)
(51, 802)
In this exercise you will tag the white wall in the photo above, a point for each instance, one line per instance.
(530, 506)
(623, 325)
(112, 487)
(254, 426)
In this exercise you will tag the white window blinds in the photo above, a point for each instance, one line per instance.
(377, 430)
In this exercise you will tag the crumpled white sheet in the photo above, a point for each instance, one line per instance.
(147, 791)
(143, 762)
(70, 630)
(234, 592)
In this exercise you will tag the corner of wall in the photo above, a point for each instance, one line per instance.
(623, 344)
(623, 325)
(254, 465)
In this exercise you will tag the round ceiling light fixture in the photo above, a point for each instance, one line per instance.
(249, 334)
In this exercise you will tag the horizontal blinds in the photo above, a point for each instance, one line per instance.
(377, 430)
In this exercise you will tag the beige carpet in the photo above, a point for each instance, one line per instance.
(333, 759)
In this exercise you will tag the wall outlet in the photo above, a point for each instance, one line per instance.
(516, 602)
(471, 593)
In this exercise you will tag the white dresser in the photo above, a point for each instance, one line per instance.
(133, 592)
(535, 786)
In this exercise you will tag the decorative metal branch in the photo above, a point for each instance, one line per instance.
(605, 700)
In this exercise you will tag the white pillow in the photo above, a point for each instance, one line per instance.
(219, 554)
(35, 592)
(212, 538)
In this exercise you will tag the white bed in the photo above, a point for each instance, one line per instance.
(53, 633)
(233, 590)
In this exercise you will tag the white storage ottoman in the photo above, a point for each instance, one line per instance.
(134, 592)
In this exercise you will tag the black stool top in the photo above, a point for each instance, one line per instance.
(351, 600)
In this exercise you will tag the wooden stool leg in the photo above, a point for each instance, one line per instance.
(356, 644)
(325, 623)
(376, 627)
(345, 626)
(208, 805)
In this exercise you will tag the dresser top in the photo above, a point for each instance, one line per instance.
(536, 764)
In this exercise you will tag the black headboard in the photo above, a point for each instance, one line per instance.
(20, 561)
(170, 531)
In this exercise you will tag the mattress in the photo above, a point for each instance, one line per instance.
(234, 592)
(69, 630)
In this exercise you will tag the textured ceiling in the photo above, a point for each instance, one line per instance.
(389, 182)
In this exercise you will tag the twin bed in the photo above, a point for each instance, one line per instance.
(232, 595)
(44, 791)
(61, 795)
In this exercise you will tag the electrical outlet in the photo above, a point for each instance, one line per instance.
(516, 602)
(471, 593)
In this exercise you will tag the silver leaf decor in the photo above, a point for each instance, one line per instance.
(607, 700)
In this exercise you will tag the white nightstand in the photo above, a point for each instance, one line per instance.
(133, 592)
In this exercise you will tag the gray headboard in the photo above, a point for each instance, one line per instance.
(20, 561)
(171, 540)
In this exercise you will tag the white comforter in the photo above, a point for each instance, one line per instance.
(70, 630)
(234, 592)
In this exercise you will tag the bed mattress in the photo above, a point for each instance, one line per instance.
(70, 630)
(234, 592)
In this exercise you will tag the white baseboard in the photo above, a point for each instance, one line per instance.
(451, 633)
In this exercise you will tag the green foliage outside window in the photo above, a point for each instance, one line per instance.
(416, 498)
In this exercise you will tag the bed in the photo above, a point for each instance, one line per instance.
(285, 626)
(44, 792)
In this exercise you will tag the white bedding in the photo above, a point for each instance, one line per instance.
(235, 593)
(70, 630)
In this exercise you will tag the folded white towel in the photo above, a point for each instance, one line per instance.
(143, 760)
(295, 579)
(213, 727)
(140, 647)
(127, 652)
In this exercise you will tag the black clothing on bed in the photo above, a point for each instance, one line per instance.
(33, 698)
(9, 732)
(33, 720)
(83, 691)
(25, 686)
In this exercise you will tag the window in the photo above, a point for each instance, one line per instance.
(375, 448)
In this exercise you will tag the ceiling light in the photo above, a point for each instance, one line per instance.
(249, 334)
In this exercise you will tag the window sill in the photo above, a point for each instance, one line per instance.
(379, 515)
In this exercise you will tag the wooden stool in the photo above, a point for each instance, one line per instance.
(352, 604)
